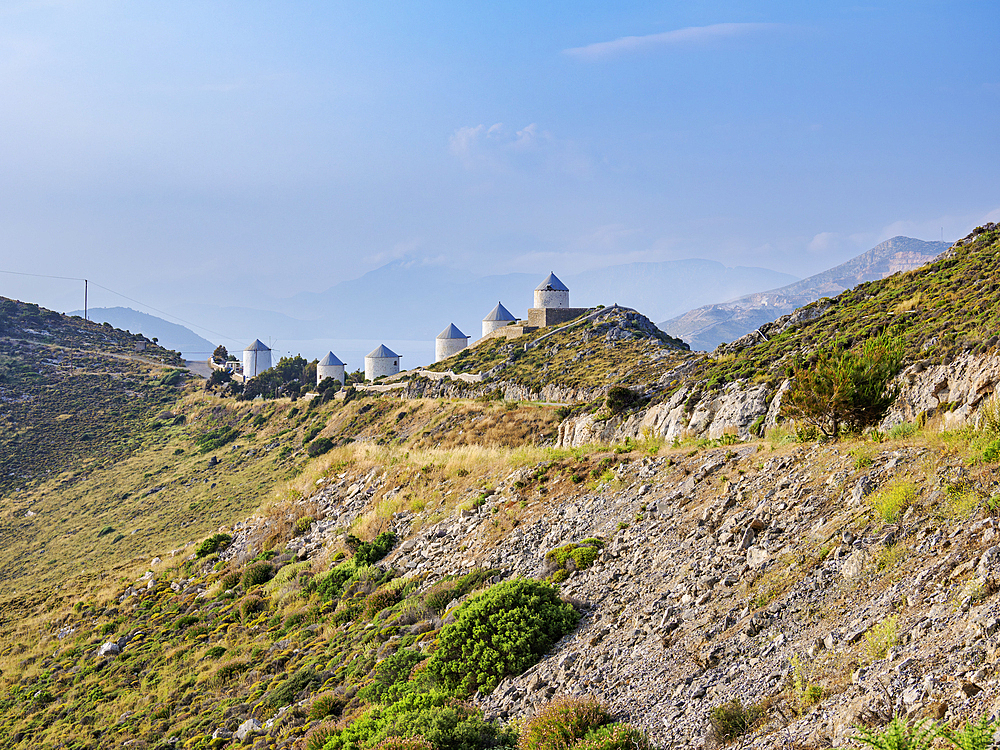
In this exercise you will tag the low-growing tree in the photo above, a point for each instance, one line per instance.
(845, 389)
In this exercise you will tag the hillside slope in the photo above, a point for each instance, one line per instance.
(704, 328)
(169, 335)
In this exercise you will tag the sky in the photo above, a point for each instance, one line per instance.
(239, 152)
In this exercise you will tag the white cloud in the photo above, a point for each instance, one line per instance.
(497, 147)
(690, 35)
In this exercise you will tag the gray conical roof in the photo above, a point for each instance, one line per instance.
(451, 332)
(552, 283)
(330, 360)
(499, 313)
(383, 352)
(257, 346)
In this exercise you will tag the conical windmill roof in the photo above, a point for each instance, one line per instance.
(451, 332)
(552, 283)
(383, 352)
(499, 313)
(257, 346)
(330, 360)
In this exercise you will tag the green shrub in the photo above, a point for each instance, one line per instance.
(311, 433)
(443, 722)
(325, 705)
(215, 652)
(904, 430)
(899, 735)
(500, 632)
(888, 503)
(230, 580)
(257, 574)
(303, 525)
(620, 399)
(213, 544)
(319, 446)
(250, 606)
(617, 736)
(880, 638)
(574, 556)
(330, 585)
(216, 438)
(561, 723)
(286, 691)
(731, 720)
(369, 553)
(974, 735)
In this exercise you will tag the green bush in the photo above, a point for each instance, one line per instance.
(252, 605)
(257, 574)
(369, 553)
(286, 691)
(319, 446)
(614, 737)
(500, 632)
(213, 544)
(620, 399)
(230, 580)
(216, 438)
(573, 556)
(215, 652)
(331, 585)
(325, 705)
(731, 720)
(442, 721)
(888, 503)
(899, 734)
(561, 723)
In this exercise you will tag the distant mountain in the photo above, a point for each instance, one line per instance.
(704, 328)
(168, 335)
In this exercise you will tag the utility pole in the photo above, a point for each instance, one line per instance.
(85, 300)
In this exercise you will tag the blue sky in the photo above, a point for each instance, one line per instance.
(245, 149)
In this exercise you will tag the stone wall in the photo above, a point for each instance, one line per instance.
(543, 317)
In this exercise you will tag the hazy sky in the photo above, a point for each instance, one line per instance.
(172, 150)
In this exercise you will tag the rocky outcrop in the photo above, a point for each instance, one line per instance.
(954, 392)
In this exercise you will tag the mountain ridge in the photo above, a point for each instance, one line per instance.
(707, 326)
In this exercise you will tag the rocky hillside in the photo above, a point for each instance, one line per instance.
(705, 328)
(950, 354)
(821, 586)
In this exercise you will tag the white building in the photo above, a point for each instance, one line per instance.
(551, 293)
(256, 359)
(382, 361)
(498, 318)
(450, 341)
(331, 367)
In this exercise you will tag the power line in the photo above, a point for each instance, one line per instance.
(141, 304)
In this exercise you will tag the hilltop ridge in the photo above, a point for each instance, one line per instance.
(708, 326)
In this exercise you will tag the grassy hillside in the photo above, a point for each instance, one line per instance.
(73, 394)
(618, 347)
(941, 310)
